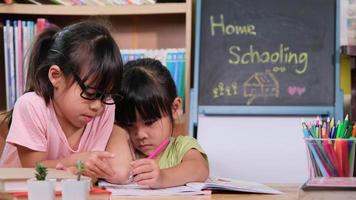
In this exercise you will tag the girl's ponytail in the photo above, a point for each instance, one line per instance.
(38, 57)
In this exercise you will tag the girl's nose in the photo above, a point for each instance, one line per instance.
(96, 105)
(141, 133)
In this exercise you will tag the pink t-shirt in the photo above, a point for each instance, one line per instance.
(35, 126)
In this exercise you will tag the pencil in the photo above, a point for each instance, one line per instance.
(159, 149)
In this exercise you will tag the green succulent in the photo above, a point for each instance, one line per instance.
(80, 169)
(41, 172)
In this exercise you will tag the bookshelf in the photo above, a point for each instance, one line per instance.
(161, 25)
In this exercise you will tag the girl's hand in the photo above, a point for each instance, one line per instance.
(147, 172)
(96, 163)
(73, 170)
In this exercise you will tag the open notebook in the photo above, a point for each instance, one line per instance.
(194, 188)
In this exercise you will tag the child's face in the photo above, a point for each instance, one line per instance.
(72, 110)
(147, 136)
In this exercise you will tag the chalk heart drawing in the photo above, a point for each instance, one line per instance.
(294, 90)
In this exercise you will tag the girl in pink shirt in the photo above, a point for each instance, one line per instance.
(67, 113)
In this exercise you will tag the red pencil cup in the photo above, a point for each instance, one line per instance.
(331, 157)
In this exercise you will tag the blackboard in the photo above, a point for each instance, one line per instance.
(267, 53)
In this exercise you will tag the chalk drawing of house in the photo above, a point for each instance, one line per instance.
(261, 85)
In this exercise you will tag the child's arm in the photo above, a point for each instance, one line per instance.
(96, 164)
(119, 145)
(193, 168)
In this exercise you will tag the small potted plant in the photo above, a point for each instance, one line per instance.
(76, 188)
(40, 188)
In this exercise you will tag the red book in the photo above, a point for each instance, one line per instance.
(40, 25)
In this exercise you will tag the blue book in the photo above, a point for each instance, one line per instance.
(181, 74)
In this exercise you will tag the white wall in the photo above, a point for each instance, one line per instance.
(261, 149)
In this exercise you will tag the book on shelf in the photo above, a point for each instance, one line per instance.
(18, 35)
(172, 58)
(15, 179)
(94, 194)
(193, 188)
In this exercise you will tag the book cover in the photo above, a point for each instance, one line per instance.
(19, 58)
(227, 184)
(16, 61)
(11, 72)
(181, 73)
(6, 30)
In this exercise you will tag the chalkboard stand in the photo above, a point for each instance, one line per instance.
(334, 109)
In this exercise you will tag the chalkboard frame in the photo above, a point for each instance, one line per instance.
(335, 110)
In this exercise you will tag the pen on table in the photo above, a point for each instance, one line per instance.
(159, 149)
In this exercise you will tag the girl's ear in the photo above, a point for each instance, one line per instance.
(55, 75)
(177, 108)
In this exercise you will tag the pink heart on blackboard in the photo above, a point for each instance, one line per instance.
(292, 90)
(300, 90)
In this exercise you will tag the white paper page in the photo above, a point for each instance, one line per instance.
(218, 183)
(137, 190)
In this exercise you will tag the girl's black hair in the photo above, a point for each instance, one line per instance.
(85, 48)
(147, 89)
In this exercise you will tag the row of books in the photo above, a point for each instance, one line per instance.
(19, 35)
(331, 147)
(83, 2)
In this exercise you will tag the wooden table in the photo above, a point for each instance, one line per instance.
(290, 191)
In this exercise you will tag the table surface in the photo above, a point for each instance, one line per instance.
(290, 191)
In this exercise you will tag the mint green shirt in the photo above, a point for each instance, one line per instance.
(176, 149)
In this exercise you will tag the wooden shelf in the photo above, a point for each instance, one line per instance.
(161, 25)
(154, 9)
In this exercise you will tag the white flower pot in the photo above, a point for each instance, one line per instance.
(73, 189)
(41, 190)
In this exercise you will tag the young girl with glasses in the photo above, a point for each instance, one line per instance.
(67, 112)
(149, 107)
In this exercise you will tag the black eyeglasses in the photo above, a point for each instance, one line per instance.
(90, 93)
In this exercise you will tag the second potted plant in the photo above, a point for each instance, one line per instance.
(77, 189)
